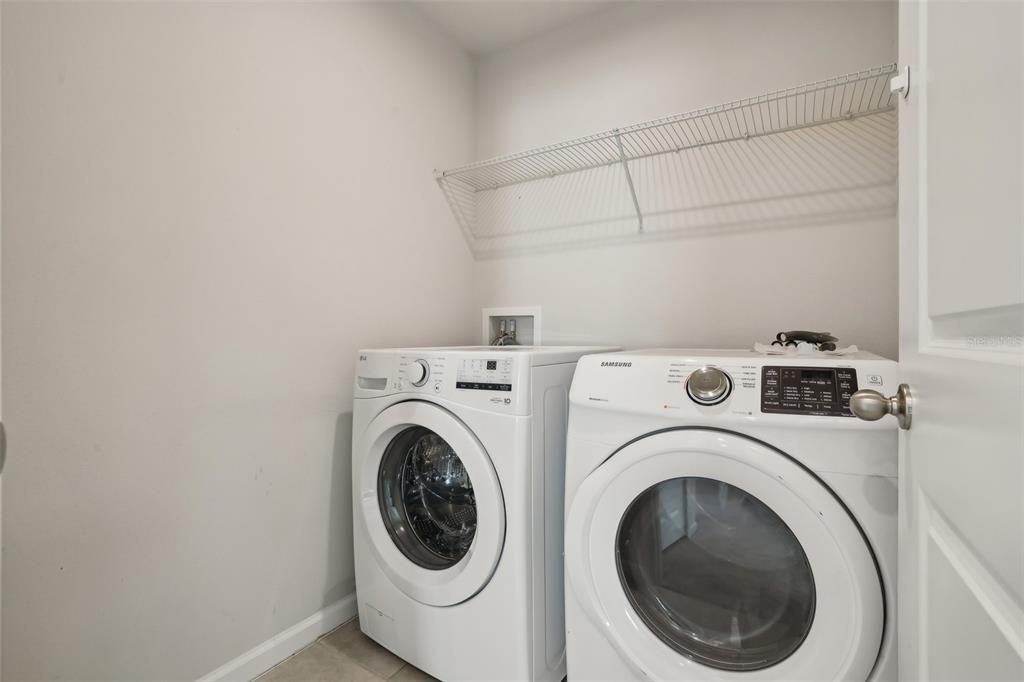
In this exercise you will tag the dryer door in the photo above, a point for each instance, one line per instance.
(431, 503)
(706, 555)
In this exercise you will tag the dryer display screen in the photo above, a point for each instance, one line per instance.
(808, 390)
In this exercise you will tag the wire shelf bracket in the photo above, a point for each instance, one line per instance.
(629, 182)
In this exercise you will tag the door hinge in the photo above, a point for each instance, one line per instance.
(901, 82)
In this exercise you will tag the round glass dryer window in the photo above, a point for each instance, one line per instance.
(715, 574)
(426, 499)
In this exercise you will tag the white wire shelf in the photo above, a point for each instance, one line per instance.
(622, 182)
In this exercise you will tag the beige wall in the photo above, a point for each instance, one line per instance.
(207, 209)
(648, 60)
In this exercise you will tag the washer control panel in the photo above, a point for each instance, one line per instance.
(482, 374)
(821, 391)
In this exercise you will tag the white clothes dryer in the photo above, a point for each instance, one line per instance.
(458, 466)
(728, 518)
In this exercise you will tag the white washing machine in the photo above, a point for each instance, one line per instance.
(458, 467)
(728, 518)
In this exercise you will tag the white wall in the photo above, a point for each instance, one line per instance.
(201, 207)
(647, 60)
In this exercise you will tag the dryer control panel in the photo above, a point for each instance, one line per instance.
(822, 391)
(722, 387)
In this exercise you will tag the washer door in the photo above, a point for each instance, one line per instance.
(431, 503)
(705, 555)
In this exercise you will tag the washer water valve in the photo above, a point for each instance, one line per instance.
(506, 334)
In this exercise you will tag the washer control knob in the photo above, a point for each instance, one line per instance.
(418, 372)
(708, 385)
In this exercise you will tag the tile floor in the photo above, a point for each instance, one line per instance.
(345, 654)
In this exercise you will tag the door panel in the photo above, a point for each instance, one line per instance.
(418, 527)
(973, 155)
(958, 593)
(961, 563)
(792, 505)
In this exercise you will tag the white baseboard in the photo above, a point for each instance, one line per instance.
(265, 656)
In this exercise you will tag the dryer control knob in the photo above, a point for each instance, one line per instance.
(419, 372)
(708, 385)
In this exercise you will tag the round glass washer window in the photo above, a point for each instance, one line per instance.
(715, 574)
(426, 499)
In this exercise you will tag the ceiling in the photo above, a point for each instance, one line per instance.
(483, 26)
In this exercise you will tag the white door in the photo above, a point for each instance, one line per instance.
(774, 582)
(431, 503)
(961, 559)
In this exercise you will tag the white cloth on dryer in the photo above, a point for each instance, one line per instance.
(801, 349)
